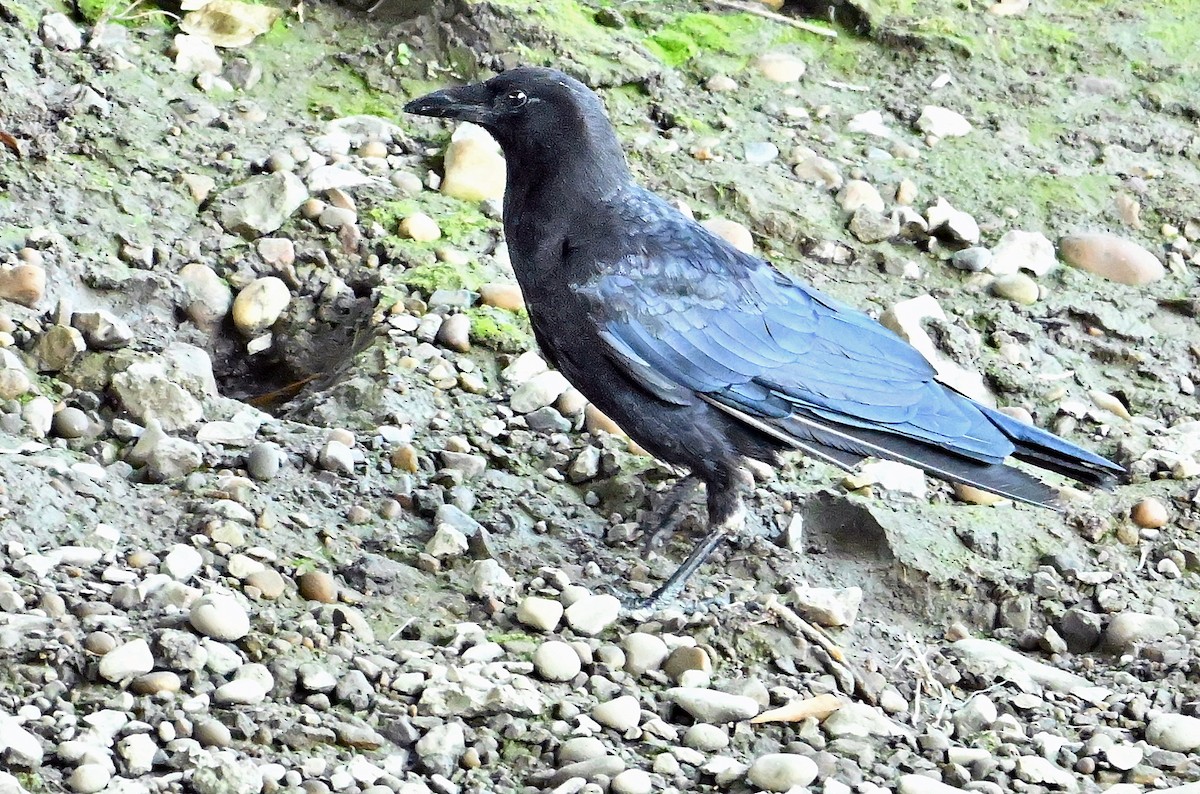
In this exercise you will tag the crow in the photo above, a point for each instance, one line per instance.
(706, 355)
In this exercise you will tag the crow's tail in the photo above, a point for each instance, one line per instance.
(1048, 451)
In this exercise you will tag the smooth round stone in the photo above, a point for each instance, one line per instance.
(219, 617)
(620, 714)
(705, 738)
(780, 67)
(259, 305)
(421, 228)
(268, 581)
(972, 260)
(581, 748)
(1175, 732)
(89, 778)
(721, 84)
(555, 660)
(455, 333)
(153, 683)
(24, 284)
(631, 781)
(781, 771)
(212, 733)
(70, 422)
(759, 153)
(99, 642)
(731, 232)
(539, 613)
(643, 653)
(1111, 257)
(502, 295)
(685, 659)
(263, 461)
(1149, 514)
(209, 297)
(317, 586)
(1016, 287)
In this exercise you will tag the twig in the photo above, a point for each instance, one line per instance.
(826, 651)
(758, 11)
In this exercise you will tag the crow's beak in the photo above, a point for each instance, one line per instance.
(467, 103)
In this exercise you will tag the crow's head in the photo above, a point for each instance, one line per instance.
(541, 118)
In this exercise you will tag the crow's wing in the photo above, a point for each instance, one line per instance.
(687, 315)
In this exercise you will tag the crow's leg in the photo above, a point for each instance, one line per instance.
(663, 518)
(726, 516)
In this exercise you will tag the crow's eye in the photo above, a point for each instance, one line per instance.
(516, 98)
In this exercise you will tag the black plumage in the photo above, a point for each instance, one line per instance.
(706, 355)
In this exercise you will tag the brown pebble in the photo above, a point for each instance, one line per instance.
(684, 659)
(357, 514)
(405, 458)
(1111, 257)
(502, 295)
(24, 284)
(268, 582)
(99, 642)
(976, 496)
(1149, 513)
(317, 586)
(153, 683)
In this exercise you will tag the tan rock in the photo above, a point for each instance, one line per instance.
(260, 304)
(502, 295)
(420, 227)
(780, 67)
(731, 232)
(858, 193)
(475, 169)
(24, 284)
(1111, 257)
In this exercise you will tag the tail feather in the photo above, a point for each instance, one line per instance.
(845, 446)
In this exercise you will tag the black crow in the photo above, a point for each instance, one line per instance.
(706, 355)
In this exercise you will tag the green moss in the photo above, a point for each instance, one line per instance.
(125, 12)
(344, 92)
(432, 276)
(500, 329)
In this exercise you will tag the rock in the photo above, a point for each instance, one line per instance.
(441, 748)
(1035, 769)
(58, 348)
(952, 224)
(856, 193)
(502, 295)
(781, 771)
(446, 542)
(760, 152)
(942, 122)
(182, 562)
(592, 614)
(538, 391)
(195, 55)
(315, 678)
(156, 682)
(1016, 287)
(317, 586)
(1174, 732)
(869, 122)
(263, 461)
(475, 169)
(58, 31)
(818, 170)
(538, 613)
(871, 226)
(209, 298)
(620, 714)
(165, 458)
(455, 333)
(39, 417)
(259, 305)
(1129, 629)
(1018, 250)
(972, 260)
(102, 330)
(240, 692)
(580, 748)
(712, 706)
(336, 457)
(526, 366)
(643, 653)
(906, 317)
(138, 752)
(149, 391)
(227, 772)
(861, 720)
(489, 580)
(555, 660)
(631, 781)
(1111, 257)
(827, 606)
(1080, 629)
(686, 660)
(920, 784)
(1149, 513)
(706, 738)
(780, 67)
(212, 733)
(731, 232)
(989, 660)
(721, 84)
(18, 745)
(420, 227)
(977, 714)
(89, 778)
(220, 617)
(261, 204)
(24, 284)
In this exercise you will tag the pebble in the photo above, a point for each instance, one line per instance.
(182, 562)
(153, 683)
(687, 659)
(475, 169)
(263, 461)
(1175, 732)
(1035, 769)
(455, 333)
(240, 692)
(620, 714)
(58, 31)
(538, 392)
(857, 193)
(1018, 250)
(89, 778)
(631, 781)
(125, 661)
(643, 653)
(220, 617)
(70, 422)
(870, 226)
(555, 660)
(420, 227)
(58, 348)
(336, 457)
(760, 152)
(780, 67)
(261, 204)
(1129, 629)
(208, 296)
(942, 122)
(711, 705)
(922, 784)
(1111, 257)
(581, 748)
(212, 733)
(781, 771)
(446, 542)
(706, 738)
(951, 223)
(1016, 287)
(592, 614)
(1149, 513)
(539, 613)
(502, 295)
(317, 586)
(828, 606)
(721, 84)
(972, 260)
(259, 305)
(731, 232)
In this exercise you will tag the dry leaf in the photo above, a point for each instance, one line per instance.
(229, 23)
(818, 707)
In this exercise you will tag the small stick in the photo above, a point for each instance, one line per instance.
(758, 11)
(805, 629)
